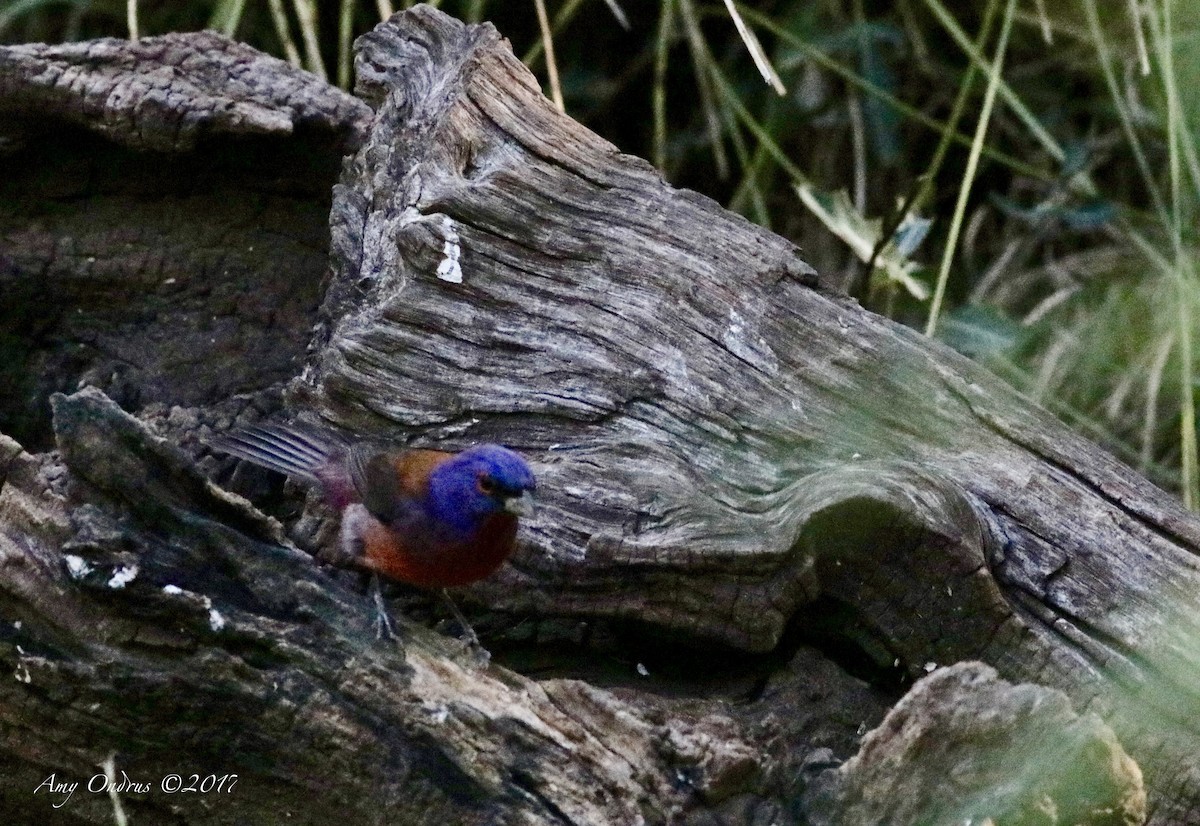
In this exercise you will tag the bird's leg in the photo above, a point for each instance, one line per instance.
(383, 622)
(472, 637)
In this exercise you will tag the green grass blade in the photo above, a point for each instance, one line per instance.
(345, 37)
(548, 45)
(1104, 54)
(227, 16)
(283, 32)
(761, 62)
(618, 13)
(1184, 267)
(306, 16)
(1047, 141)
(916, 115)
(960, 207)
(662, 47)
(566, 13)
(924, 185)
(705, 69)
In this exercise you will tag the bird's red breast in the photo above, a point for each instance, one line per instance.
(443, 566)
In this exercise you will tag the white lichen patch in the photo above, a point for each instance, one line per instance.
(438, 713)
(123, 576)
(215, 621)
(172, 590)
(21, 673)
(450, 269)
(77, 567)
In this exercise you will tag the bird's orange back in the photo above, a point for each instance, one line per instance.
(413, 468)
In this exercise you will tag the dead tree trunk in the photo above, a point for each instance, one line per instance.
(736, 464)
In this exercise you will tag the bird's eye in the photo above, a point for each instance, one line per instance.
(486, 484)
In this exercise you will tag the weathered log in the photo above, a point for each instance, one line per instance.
(723, 447)
(167, 93)
(214, 628)
(148, 616)
(966, 747)
(719, 441)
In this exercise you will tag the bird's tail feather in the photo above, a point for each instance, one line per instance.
(295, 451)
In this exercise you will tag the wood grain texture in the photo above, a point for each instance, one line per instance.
(147, 614)
(166, 93)
(718, 441)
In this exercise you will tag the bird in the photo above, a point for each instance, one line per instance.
(428, 518)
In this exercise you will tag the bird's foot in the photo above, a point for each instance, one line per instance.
(384, 630)
(471, 637)
(473, 647)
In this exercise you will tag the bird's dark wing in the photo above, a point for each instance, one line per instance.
(392, 485)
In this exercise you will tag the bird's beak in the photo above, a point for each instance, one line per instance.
(520, 505)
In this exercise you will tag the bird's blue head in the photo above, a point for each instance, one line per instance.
(478, 483)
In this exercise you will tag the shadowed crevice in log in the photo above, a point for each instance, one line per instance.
(163, 220)
(840, 632)
(162, 279)
(907, 553)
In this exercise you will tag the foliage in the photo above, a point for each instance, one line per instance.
(1021, 180)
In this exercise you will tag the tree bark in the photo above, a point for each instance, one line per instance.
(755, 494)
(147, 189)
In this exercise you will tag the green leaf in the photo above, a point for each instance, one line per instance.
(862, 235)
(979, 332)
